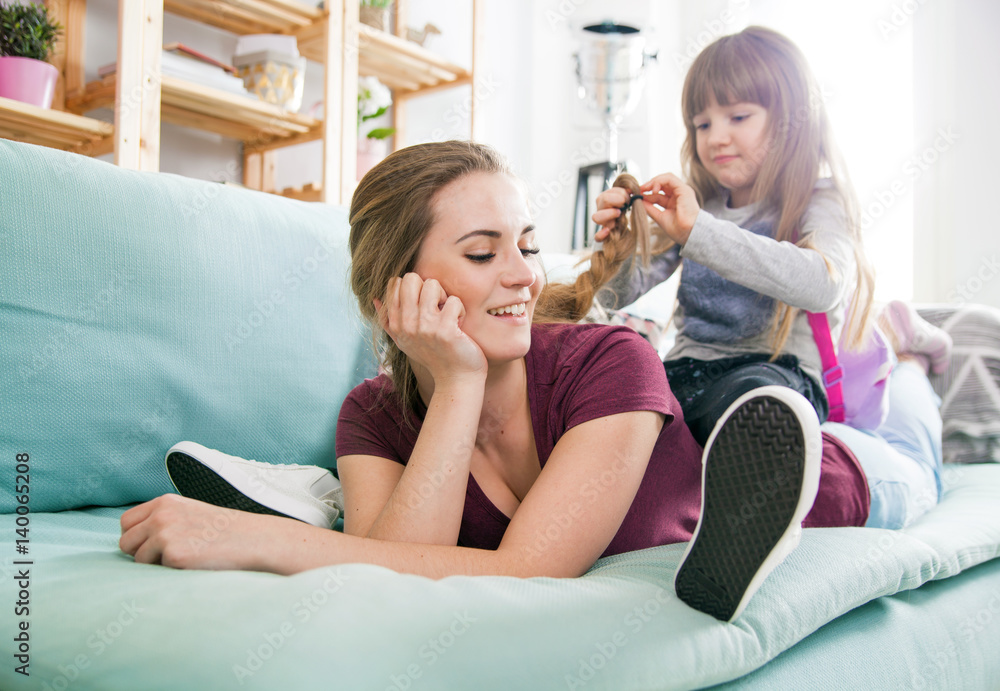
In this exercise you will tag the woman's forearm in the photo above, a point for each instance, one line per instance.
(426, 504)
(185, 533)
(312, 547)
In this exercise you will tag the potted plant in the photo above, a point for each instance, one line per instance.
(375, 13)
(27, 36)
(374, 99)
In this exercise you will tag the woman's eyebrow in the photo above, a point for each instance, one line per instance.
(487, 233)
(491, 233)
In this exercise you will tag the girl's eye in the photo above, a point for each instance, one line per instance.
(740, 118)
(528, 251)
(701, 126)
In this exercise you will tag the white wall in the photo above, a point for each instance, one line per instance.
(943, 244)
(957, 244)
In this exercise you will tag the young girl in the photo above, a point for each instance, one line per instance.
(498, 442)
(767, 230)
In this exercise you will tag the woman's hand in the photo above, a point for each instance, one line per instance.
(426, 324)
(188, 534)
(672, 205)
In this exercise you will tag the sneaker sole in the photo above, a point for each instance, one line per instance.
(195, 480)
(757, 487)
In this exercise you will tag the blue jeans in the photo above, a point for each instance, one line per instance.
(902, 458)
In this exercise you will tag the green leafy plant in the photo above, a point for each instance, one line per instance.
(27, 31)
(380, 4)
(374, 99)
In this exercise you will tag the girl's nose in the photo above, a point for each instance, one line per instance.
(718, 134)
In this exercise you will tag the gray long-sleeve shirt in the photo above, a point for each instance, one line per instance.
(733, 272)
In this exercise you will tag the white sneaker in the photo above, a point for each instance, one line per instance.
(304, 492)
(760, 475)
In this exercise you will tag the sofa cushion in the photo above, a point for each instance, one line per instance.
(970, 387)
(142, 309)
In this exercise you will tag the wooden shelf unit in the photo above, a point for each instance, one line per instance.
(399, 64)
(54, 128)
(331, 36)
(213, 110)
(249, 16)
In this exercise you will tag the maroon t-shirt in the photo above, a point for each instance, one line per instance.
(576, 373)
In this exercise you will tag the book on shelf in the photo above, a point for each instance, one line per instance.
(186, 63)
(187, 51)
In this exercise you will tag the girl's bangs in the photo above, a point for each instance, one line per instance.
(728, 74)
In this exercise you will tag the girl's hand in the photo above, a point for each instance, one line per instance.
(609, 208)
(426, 324)
(672, 205)
(188, 534)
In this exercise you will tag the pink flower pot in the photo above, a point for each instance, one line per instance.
(370, 152)
(28, 80)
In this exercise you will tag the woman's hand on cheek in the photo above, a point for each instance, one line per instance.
(185, 533)
(426, 323)
(672, 204)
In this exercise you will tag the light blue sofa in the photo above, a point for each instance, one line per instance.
(137, 310)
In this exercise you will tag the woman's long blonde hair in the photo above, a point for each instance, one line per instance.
(392, 211)
(631, 236)
(759, 65)
(391, 214)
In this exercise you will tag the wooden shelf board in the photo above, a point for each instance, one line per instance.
(399, 63)
(248, 116)
(312, 37)
(309, 193)
(177, 115)
(391, 80)
(260, 146)
(53, 128)
(96, 94)
(371, 38)
(248, 16)
(202, 107)
(407, 69)
(404, 93)
(234, 107)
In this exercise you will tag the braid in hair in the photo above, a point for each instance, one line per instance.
(570, 302)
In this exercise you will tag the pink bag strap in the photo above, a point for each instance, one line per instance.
(833, 372)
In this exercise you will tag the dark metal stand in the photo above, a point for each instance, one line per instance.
(606, 171)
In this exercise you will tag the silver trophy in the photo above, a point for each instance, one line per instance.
(610, 68)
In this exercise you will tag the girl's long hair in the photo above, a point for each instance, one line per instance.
(758, 65)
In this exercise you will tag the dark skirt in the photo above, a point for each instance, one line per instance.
(706, 388)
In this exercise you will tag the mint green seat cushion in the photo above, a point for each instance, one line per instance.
(141, 309)
(101, 621)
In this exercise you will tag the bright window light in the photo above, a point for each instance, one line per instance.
(862, 54)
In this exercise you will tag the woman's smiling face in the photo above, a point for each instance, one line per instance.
(481, 249)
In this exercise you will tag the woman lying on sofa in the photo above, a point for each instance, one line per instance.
(502, 440)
